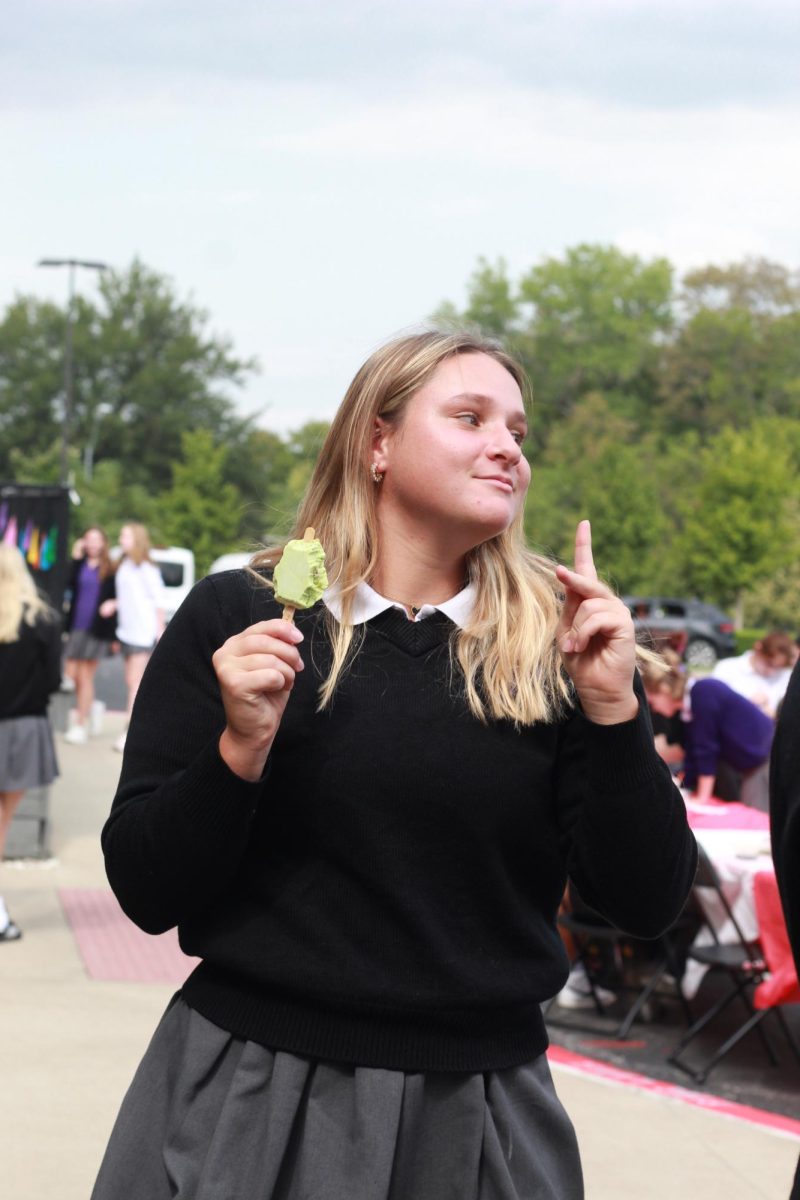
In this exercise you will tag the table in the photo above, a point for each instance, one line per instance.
(736, 839)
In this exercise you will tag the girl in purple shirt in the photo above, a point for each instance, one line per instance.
(90, 624)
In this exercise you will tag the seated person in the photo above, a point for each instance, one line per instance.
(761, 674)
(721, 730)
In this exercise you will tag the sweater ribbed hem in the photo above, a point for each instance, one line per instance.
(468, 1041)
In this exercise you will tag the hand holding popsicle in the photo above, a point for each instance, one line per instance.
(596, 639)
(256, 669)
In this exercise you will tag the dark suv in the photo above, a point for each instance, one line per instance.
(699, 632)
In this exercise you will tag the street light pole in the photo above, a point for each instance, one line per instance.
(66, 422)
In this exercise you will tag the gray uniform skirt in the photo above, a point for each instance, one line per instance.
(27, 754)
(211, 1117)
(83, 646)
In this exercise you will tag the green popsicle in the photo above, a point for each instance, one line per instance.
(300, 577)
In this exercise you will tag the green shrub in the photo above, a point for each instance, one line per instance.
(747, 638)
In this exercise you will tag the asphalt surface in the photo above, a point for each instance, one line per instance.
(109, 684)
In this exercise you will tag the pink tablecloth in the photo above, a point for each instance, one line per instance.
(748, 879)
(716, 814)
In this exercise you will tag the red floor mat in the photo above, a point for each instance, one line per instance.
(111, 946)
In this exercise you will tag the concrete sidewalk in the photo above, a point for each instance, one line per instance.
(71, 1044)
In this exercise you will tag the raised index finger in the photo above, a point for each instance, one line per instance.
(584, 562)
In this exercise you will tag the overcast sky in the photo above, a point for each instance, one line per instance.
(321, 174)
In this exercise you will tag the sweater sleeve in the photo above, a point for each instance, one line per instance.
(784, 786)
(625, 835)
(51, 636)
(180, 821)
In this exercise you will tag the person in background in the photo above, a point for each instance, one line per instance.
(784, 792)
(366, 843)
(726, 738)
(762, 673)
(30, 670)
(91, 584)
(139, 608)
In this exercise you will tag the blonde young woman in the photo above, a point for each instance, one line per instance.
(30, 670)
(362, 823)
(139, 608)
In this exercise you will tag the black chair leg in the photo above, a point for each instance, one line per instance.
(645, 994)
(701, 1022)
(701, 1074)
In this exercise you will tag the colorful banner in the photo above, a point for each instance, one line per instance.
(35, 519)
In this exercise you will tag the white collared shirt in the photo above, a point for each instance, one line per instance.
(368, 604)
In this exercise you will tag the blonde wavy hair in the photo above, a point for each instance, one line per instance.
(19, 599)
(140, 551)
(507, 654)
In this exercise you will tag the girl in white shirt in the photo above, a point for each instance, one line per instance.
(139, 606)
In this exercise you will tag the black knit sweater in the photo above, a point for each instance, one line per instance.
(386, 894)
(30, 669)
(784, 788)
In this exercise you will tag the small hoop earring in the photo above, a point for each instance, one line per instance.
(377, 476)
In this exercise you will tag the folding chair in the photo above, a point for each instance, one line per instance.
(610, 957)
(742, 960)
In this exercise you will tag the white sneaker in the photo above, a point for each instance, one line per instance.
(96, 714)
(119, 744)
(576, 993)
(77, 735)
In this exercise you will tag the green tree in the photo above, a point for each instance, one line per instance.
(31, 382)
(756, 285)
(201, 510)
(736, 356)
(301, 452)
(599, 319)
(591, 468)
(594, 320)
(737, 526)
(146, 368)
(259, 467)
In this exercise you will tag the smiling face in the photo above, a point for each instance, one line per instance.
(94, 542)
(453, 466)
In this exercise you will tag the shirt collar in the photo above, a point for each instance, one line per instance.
(368, 604)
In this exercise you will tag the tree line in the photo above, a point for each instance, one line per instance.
(664, 408)
(155, 434)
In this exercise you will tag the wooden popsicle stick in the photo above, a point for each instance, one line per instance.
(289, 610)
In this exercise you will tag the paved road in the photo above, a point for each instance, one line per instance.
(110, 684)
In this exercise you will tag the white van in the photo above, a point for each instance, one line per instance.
(176, 565)
(230, 562)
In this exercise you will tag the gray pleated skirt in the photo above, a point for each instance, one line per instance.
(27, 754)
(83, 646)
(211, 1117)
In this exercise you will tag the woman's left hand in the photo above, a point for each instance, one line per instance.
(596, 639)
